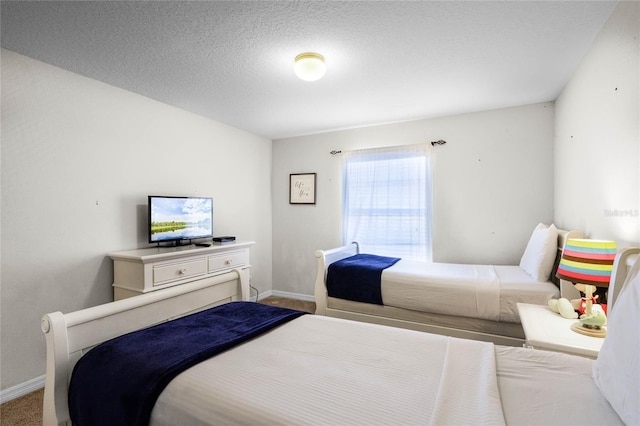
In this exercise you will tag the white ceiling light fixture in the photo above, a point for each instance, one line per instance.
(310, 66)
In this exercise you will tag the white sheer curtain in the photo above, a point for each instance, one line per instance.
(387, 197)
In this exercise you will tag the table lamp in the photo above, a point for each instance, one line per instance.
(588, 262)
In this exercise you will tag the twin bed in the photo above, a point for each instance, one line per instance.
(314, 369)
(468, 301)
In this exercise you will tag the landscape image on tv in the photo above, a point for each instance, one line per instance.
(180, 218)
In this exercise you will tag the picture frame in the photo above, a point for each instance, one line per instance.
(302, 188)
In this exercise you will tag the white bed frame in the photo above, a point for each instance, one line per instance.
(391, 316)
(68, 336)
(625, 259)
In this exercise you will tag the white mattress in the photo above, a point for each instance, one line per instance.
(476, 291)
(320, 370)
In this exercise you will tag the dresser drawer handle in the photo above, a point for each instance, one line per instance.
(228, 262)
(183, 271)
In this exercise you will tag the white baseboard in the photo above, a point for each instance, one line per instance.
(262, 295)
(297, 296)
(21, 389)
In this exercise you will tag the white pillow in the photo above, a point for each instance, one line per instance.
(617, 369)
(540, 254)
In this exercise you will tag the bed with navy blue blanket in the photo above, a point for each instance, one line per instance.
(329, 371)
(464, 300)
(358, 277)
(142, 363)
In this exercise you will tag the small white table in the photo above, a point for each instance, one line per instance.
(545, 329)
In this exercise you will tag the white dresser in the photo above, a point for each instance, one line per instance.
(145, 270)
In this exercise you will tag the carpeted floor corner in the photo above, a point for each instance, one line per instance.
(300, 305)
(23, 411)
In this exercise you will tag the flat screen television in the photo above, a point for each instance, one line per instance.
(175, 219)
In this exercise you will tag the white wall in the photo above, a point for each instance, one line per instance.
(597, 138)
(78, 159)
(493, 183)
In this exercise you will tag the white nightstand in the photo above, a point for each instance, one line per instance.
(545, 329)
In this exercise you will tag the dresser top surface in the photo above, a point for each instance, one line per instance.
(152, 254)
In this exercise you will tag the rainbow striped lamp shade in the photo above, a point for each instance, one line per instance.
(587, 261)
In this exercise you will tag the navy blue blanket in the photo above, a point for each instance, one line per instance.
(118, 382)
(358, 277)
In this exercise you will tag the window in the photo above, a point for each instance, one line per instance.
(387, 201)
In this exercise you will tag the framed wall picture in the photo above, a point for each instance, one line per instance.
(302, 188)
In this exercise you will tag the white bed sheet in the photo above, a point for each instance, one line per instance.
(516, 286)
(321, 370)
(476, 291)
(327, 371)
(550, 388)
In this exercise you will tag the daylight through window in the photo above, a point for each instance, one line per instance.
(387, 200)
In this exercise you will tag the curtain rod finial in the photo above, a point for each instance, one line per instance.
(334, 152)
(438, 142)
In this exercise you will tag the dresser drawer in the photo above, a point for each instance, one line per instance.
(165, 273)
(230, 259)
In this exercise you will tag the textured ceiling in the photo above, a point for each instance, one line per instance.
(387, 61)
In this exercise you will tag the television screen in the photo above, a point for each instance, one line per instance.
(179, 218)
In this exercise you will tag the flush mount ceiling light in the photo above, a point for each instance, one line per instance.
(310, 66)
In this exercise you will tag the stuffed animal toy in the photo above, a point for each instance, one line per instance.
(595, 319)
(563, 307)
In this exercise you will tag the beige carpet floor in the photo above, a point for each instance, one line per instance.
(23, 411)
(27, 410)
